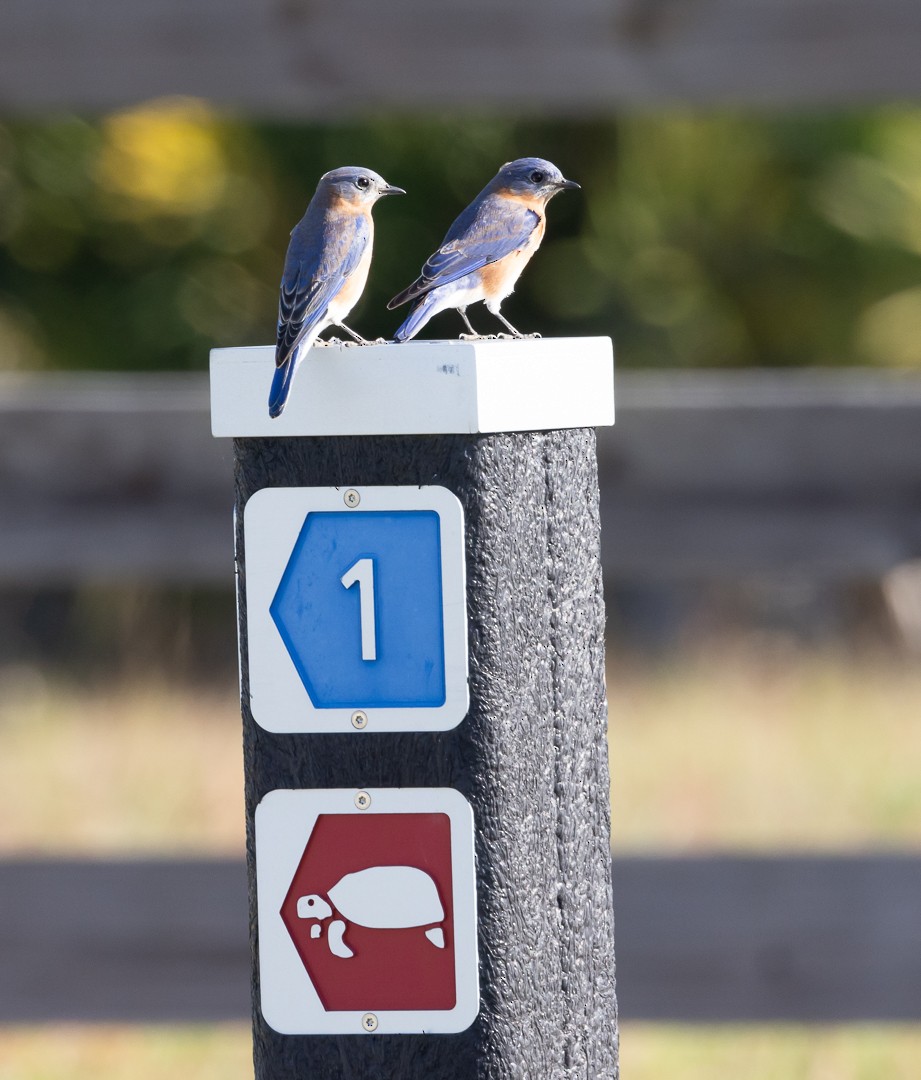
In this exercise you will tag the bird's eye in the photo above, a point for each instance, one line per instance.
(537, 177)
(363, 182)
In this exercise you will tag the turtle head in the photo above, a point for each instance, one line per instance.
(313, 907)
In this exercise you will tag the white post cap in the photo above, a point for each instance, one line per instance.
(419, 388)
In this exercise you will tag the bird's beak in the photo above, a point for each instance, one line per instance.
(389, 189)
(569, 185)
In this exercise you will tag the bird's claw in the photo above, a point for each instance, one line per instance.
(477, 337)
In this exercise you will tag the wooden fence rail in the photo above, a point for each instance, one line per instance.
(704, 476)
(698, 939)
(286, 57)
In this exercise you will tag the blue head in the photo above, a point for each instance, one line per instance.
(531, 177)
(351, 184)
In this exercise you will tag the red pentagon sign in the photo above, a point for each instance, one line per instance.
(370, 911)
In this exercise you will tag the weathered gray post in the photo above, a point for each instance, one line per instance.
(508, 428)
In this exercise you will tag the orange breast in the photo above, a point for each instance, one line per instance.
(353, 286)
(499, 278)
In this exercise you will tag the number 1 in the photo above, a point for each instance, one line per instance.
(363, 572)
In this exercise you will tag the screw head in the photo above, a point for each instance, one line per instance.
(351, 498)
(369, 1022)
(359, 719)
(362, 800)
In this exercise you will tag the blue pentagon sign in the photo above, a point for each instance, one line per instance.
(380, 644)
(356, 609)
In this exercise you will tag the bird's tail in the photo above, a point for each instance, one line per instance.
(417, 318)
(281, 385)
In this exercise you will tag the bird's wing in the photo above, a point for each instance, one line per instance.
(486, 232)
(320, 258)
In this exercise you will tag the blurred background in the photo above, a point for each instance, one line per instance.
(749, 233)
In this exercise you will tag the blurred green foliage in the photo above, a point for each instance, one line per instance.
(140, 239)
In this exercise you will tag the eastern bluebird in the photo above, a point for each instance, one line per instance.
(325, 269)
(487, 247)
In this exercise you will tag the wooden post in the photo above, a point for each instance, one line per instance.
(530, 757)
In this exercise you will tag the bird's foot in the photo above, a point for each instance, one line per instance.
(477, 337)
(518, 337)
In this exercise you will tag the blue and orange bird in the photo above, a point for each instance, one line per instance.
(325, 269)
(487, 247)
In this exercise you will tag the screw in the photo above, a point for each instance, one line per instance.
(351, 498)
(362, 800)
(369, 1022)
(359, 720)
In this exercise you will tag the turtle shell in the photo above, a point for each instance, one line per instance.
(388, 897)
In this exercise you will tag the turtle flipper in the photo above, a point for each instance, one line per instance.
(334, 936)
(436, 936)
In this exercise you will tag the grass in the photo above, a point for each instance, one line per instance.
(735, 751)
(648, 1052)
(738, 750)
(218, 1052)
(763, 752)
(119, 770)
(775, 1052)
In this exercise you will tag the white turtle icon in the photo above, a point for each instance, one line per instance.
(381, 897)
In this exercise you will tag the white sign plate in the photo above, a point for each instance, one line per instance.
(356, 609)
(367, 911)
